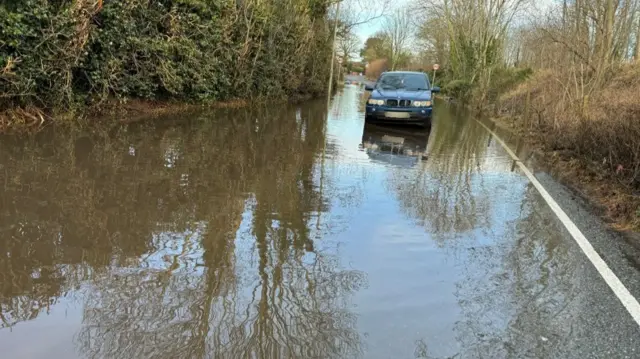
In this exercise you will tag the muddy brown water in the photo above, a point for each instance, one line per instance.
(285, 232)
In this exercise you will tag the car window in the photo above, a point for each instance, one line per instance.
(398, 81)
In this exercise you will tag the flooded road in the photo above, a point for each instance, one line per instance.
(291, 232)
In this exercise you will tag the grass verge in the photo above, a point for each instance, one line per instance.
(589, 135)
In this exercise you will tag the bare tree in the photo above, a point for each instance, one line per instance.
(398, 30)
(476, 33)
(348, 46)
(355, 13)
(590, 37)
(636, 52)
(432, 40)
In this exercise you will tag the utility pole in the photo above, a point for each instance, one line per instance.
(333, 48)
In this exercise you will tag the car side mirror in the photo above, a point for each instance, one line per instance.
(435, 89)
(368, 87)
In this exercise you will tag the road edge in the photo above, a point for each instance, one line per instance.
(619, 289)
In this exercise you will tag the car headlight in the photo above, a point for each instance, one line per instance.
(421, 103)
(375, 102)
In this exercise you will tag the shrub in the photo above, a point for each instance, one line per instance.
(459, 89)
(57, 55)
(376, 68)
(504, 79)
(601, 129)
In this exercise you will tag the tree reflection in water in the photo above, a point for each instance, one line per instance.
(447, 194)
(526, 289)
(189, 240)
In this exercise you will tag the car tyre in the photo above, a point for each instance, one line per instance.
(368, 119)
(426, 124)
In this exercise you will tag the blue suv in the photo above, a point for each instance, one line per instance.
(401, 97)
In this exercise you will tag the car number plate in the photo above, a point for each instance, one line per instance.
(397, 114)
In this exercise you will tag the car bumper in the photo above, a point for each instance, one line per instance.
(399, 114)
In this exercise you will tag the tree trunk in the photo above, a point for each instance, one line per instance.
(564, 14)
(604, 37)
(582, 30)
(609, 14)
(636, 53)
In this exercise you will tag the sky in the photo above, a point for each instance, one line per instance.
(364, 31)
(368, 29)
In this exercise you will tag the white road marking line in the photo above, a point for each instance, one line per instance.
(623, 294)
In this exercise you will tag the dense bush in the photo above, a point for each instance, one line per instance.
(457, 88)
(65, 54)
(501, 80)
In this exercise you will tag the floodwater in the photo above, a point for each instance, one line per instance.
(287, 232)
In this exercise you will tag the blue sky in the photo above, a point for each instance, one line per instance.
(366, 30)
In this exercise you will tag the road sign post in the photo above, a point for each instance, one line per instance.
(435, 68)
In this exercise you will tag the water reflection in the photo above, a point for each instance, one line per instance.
(181, 239)
(235, 234)
(448, 192)
(525, 289)
(399, 146)
(514, 274)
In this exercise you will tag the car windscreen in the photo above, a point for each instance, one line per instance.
(403, 81)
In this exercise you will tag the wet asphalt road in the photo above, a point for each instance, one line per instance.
(298, 233)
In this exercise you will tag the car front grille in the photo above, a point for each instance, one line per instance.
(398, 103)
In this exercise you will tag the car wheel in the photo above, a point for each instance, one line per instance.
(426, 124)
(368, 119)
